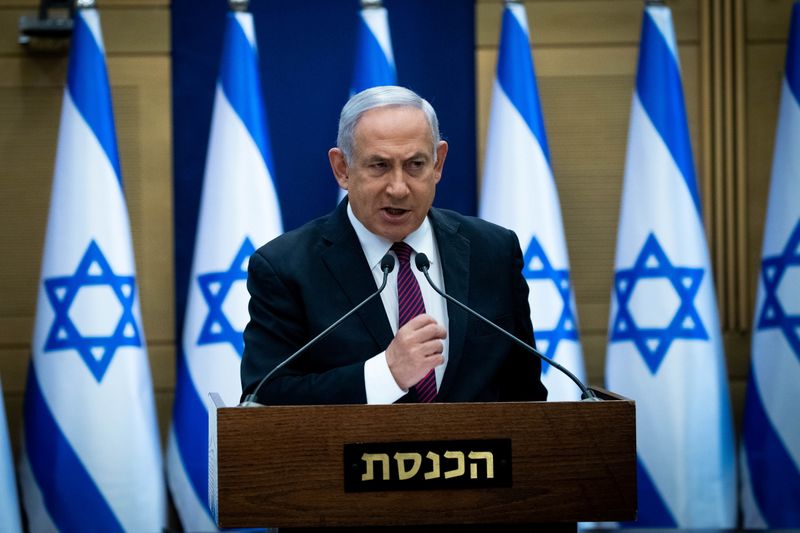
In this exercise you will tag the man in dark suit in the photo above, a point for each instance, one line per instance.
(389, 157)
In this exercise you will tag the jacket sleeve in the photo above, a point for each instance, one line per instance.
(278, 327)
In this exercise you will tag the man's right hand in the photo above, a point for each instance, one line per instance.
(415, 350)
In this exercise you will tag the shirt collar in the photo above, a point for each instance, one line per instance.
(375, 247)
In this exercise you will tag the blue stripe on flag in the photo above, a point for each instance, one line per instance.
(658, 84)
(372, 68)
(773, 475)
(653, 512)
(87, 81)
(190, 419)
(59, 471)
(516, 76)
(10, 521)
(241, 84)
(793, 54)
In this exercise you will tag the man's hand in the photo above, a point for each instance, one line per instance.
(415, 350)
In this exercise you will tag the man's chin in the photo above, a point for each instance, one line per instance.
(394, 232)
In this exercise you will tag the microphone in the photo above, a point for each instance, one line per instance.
(423, 265)
(387, 265)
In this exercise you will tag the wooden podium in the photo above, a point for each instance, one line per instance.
(286, 466)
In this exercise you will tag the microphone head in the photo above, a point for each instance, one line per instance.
(387, 263)
(421, 260)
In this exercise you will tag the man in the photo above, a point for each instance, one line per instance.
(409, 345)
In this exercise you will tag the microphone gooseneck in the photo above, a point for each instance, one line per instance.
(251, 400)
(423, 265)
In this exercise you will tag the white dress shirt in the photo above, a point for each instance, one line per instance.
(380, 384)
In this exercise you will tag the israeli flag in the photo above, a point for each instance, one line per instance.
(239, 212)
(770, 453)
(374, 62)
(664, 348)
(9, 504)
(374, 65)
(91, 451)
(519, 193)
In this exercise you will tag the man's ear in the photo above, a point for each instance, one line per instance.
(441, 154)
(339, 167)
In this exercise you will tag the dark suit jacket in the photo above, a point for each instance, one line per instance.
(306, 279)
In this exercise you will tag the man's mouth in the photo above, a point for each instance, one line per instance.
(394, 211)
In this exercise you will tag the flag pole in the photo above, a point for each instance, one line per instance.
(238, 5)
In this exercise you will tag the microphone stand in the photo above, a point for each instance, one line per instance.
(423, 264)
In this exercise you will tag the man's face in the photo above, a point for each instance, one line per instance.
(392, 179)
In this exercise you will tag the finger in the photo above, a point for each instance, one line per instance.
(431, 331)
(434, 360)
(431, 348)
(420, 321)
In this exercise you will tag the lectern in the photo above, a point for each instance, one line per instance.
(413, 464)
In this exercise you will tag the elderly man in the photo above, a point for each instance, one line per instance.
(410, 345)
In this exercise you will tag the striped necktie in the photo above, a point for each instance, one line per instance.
(410, 304)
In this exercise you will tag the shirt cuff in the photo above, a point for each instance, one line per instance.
(379, 382)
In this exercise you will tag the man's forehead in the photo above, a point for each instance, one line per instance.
(397, 125)
(392, 116)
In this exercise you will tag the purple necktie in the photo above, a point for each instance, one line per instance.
(410, 304)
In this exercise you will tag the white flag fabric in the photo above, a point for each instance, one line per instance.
(519, 192)
(770, 453)
(91, 452)
(665, 349)
(9, 503)
(374, 61)
(238, 212)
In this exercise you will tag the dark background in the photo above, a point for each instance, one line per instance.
(307, 51)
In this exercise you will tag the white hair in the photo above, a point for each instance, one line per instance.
(387, 95)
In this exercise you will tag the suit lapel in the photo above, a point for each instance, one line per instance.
(454, 250)
(345, 261)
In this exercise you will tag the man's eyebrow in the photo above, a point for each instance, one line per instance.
(377, 158)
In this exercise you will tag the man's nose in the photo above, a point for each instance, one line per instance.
(397, 187)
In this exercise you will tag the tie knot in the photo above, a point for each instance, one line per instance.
(403, 252)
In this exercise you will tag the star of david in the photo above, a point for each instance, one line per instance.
(537, 267)
(215, 287)
(96, 351)
(653, 343)
(773, 314)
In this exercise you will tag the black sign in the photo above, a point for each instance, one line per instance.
(427, 465)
